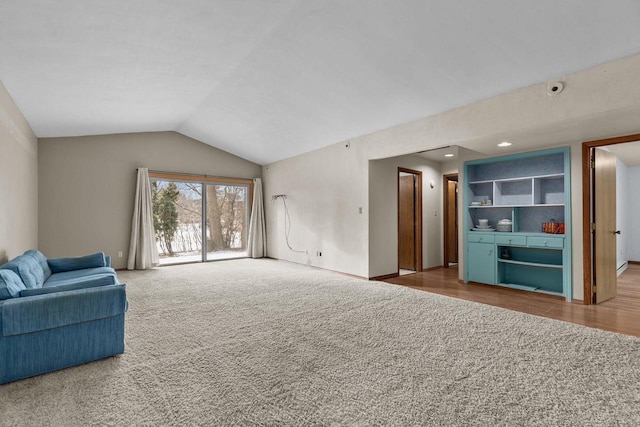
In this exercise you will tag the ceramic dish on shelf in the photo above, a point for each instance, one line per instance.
(483, 229)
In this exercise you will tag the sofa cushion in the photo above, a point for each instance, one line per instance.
(77, 276)
(42, 312)
(28, 269)
(10, 284)
(59, 265)
(90, 283)
(42, 260)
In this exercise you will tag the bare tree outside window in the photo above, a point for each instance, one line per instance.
(178, 212)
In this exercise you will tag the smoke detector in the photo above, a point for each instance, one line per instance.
(554, 88)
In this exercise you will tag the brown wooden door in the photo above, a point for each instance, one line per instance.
(452, 221)
(406, 222)
(604, 249)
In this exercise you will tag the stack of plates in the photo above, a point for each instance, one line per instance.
(505, 225)
(483, 228)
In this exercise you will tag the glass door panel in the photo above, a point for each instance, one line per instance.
(227, 220)
(177, 219)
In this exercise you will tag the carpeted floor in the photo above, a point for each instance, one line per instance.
(262, 342)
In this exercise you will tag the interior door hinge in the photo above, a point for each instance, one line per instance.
(593, 164)
(593, 226)
(593, 289)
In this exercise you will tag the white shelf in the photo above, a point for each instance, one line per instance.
(539, 205)
(532, 264)
(521, 178)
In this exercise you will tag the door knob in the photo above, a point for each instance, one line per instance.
(616, 232)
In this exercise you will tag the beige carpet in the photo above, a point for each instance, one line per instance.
(261, 342)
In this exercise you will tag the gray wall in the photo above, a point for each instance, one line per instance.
(622, 214)
(327, 187)
(383, 213)
(18, 181)
(632, 200)
(87, 185)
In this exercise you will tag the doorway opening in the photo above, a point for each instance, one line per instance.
(600, 228)
(450, 219)
(409, 221)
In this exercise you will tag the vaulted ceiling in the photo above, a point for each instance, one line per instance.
(266, 80)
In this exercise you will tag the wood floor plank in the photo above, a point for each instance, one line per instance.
(620, 314)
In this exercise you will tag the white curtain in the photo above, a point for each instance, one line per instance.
(143, 252)
(257, 244)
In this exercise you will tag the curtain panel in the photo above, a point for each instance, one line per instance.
(143, 252)
(257, 241)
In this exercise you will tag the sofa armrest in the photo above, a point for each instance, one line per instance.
(89, 283)
(58, 265)
(41, 312)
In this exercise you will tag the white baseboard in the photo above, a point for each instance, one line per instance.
(622, 268)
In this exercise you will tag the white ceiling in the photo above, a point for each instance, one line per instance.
(266, 80)
(443, 154)
(628, 153)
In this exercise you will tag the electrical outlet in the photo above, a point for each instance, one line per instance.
(119, 254)
(360, 210)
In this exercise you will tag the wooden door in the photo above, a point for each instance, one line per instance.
(452, 222)
(604, 216)
(406, 222)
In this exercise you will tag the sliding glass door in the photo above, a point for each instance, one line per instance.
(177, 219)
(188, 213)
(227, 220)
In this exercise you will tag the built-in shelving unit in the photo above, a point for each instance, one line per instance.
(529, 189)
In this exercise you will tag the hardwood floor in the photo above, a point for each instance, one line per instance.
(621, 314)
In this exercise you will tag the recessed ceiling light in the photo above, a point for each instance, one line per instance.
(448, 155)
(504, 144)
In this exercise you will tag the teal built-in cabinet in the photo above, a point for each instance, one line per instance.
(528, 190)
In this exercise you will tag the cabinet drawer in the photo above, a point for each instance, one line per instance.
(546, 242)
(481, 238)
(511, 240)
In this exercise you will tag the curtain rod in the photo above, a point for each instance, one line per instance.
(194, 175)
(176, 173)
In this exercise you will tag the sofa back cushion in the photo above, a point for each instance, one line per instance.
(42, 260)
(28, 269)
(59, 265)
(10, 284)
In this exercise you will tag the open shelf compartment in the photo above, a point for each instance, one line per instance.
(536, 268)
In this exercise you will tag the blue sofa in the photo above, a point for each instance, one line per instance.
(59, 312)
